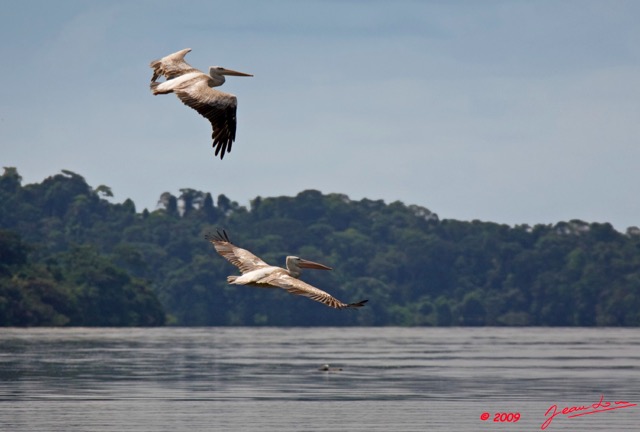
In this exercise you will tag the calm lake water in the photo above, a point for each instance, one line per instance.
(267, 379)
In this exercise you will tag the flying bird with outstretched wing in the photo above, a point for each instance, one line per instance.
(258, 273)
(194, 88)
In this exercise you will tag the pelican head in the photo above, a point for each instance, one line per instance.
(296, 264)
(217, 74)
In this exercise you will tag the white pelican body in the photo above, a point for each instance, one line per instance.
(256, 272)
(256, 276)
(169, 86)
(194, 88)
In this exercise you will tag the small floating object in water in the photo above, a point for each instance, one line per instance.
(327, 368)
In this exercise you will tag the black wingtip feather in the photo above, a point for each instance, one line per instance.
(358, 304)
(220, 149)
(218, 236)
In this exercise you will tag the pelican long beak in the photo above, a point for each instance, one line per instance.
(313, 265)
(224, 71)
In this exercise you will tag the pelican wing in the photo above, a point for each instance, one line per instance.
(298, 287)
(216, 106)
(241, 258)
(171, 66)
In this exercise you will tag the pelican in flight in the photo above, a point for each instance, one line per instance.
(194, 88)
(258, 273)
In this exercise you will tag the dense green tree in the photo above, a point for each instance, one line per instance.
(78, 287)
(13, 252)
(68, 256)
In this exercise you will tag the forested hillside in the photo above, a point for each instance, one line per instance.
(68, 256)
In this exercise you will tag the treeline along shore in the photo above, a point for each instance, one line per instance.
(70, 257)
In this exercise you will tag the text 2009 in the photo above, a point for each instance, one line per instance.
(506, 417)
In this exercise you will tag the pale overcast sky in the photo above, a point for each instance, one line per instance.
(505, 111)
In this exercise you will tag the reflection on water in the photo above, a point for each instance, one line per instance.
(268, 378)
